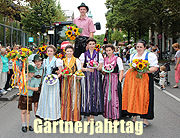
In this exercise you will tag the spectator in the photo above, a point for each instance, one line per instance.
(1, 67)
(10, 72)
(154, 49)
(5, 69)
(177, 64)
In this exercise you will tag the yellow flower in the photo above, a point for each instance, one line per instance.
(72, 37)
(69, 33)
(23, 54)
(24, 49)
(75, 30)
(135, 60)
(140, 66)
(43, 48)
(144, 61)
(98, 46)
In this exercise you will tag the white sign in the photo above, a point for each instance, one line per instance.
(50, 31)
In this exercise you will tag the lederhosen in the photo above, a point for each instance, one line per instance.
(22, 104)
(80, 45)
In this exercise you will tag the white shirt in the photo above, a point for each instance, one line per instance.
(152, 58)
(77, 62)
(101, 59)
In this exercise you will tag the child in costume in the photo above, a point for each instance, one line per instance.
(39, 76)
(22, 105)
(92, 96)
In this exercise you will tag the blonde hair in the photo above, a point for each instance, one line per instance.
(53, 47)
(163, 68)
(3, 50)
(15, 46)
(175, 45)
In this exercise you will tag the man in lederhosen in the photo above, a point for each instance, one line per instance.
(87, 25)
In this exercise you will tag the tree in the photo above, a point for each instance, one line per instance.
(117, 36)
(137, 16)
(99, 39)
(41, 13)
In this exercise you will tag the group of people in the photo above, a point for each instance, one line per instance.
(98, 93)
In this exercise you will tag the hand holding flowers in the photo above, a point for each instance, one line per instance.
(141, 66)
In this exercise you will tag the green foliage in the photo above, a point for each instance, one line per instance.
(41, 13)
(137, 16)
(117, 35)
(99, 39)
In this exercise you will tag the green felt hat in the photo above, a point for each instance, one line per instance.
(83, 5)
(37, 57)
(31, 69)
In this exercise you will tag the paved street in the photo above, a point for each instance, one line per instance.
(166, 123)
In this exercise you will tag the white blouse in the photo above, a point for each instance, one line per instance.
(101, 59)
(152, 58)
(77, 62)
(119, 63)
(58, 62)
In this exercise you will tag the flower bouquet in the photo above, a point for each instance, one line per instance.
(97, 48)
(79, 74)
(108, 68)
(51, 79)
(71, 32)
(92, 64)
(66, 72)
(24, 53)
(42, 51)
(12, 54)
(140, 65)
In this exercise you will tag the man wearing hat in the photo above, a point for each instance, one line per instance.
(87, 25)
(22, 105)
(39, 77)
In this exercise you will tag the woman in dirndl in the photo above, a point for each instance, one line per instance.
(49, 100)
(112, 84)
(138, 94)
(92, 96)
(70, 88)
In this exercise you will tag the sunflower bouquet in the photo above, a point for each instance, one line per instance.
(71, 32)
(42, 51)
(140, 66)
(12, 54)
(24, 53)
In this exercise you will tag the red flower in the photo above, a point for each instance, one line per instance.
(98, 50)
(71, 28)
(67, 72)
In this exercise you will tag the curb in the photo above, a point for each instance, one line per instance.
(10, 95)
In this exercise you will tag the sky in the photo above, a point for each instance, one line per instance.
(97, 8)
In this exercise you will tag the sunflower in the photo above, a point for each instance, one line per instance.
(98, 46)
(69, 33)
(75, 30)
(43, 48)
(144, 61)
(72, 37)
(135, 60)
(140, 66)
(24, 49)
(23, 54)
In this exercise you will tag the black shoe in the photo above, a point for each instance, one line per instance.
(30, 128)
(24, 129)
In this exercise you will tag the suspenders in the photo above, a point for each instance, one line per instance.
(146, 57)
